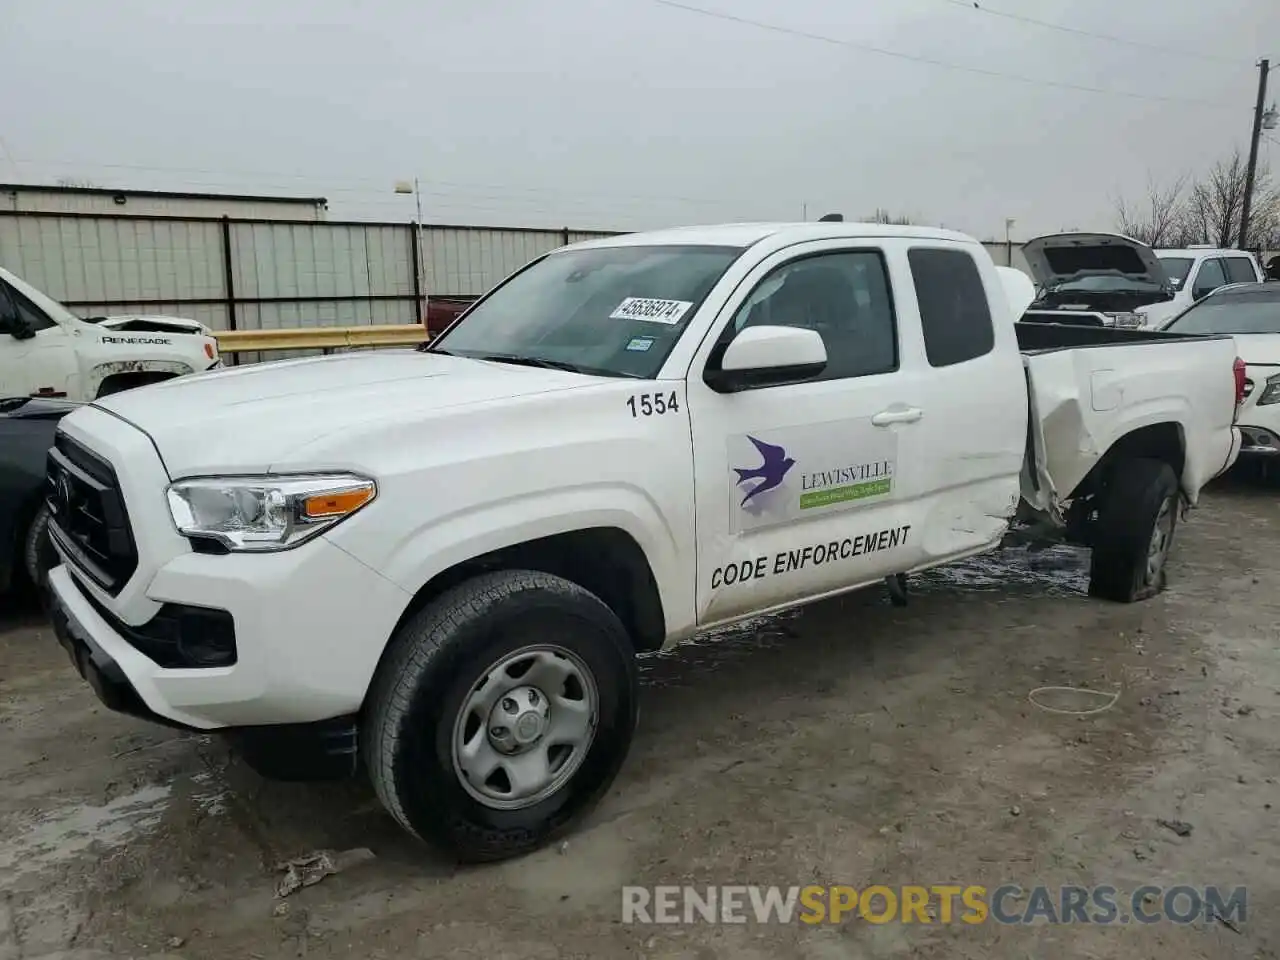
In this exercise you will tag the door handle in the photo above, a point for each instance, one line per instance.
(886, 418)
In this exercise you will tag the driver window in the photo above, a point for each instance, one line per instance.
(844, 297)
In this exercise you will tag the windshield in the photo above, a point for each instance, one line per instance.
(1107, 284)
(615, 311)
(1253, 311)
(1177, 268)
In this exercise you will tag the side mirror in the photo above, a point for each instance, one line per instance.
(764, 355)
(15, 326)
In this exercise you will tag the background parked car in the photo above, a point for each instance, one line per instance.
(26, 433)
(1195, 273)
(1249, 312)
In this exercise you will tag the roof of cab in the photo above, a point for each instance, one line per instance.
(745, 234)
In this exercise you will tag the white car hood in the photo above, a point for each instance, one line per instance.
(245, 419)
(1062, 257)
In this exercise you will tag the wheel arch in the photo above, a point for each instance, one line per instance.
(1164, 441)
(604, 560)
(116, 375)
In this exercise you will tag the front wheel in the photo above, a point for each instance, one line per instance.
(501, 713)
(38, 555)
(1137, 519)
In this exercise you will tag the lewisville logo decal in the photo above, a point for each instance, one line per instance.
(773, 469)
(841, 484)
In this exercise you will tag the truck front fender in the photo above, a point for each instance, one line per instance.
(418, 555)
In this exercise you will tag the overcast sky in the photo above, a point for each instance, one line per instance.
(632, 113)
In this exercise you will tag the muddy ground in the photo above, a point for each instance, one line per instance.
(852, 743)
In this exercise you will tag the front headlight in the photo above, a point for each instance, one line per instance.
(1270, 392)
(265, 513)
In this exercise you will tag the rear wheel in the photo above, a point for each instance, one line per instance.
(501, 714)
(1137, 520)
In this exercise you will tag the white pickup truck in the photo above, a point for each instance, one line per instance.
(443, 562)
(47, 351)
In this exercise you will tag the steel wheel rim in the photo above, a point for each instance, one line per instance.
(525, 727)
(1161, 537)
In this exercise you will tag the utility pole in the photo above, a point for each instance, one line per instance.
(1264, 67)
(420, 277)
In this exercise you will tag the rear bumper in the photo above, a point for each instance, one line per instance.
(1259, 442)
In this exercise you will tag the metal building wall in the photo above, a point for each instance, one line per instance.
(252, 274)
(113, 265)
(107, 203)
(467, 261)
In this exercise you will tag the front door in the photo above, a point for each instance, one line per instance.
(800, 486)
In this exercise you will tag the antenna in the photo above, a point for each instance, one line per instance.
(832, 218)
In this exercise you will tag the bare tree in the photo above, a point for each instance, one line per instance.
(882, 215)
(1217, 200)
(1159, 219)
(1205, 209)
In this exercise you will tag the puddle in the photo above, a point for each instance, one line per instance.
(210, 797)
(62, 835)
(1058, 571)
(1053, 571)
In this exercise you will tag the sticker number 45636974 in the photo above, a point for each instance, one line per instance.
(650, 404)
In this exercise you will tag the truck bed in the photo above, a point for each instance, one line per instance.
(1088, 387)
(1042, 337)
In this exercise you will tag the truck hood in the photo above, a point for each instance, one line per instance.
(247, 419)
(1062, 257)
(149, 323)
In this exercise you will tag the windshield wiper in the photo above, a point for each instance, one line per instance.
(531, 362)
(546, 364)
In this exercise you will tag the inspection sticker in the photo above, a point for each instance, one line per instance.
(655, 311)
(639, 344)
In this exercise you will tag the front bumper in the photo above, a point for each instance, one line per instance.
(310, 627)
(302, 751)
(310, 623)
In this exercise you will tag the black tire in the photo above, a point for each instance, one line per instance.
(439, 657)
(38, 555)
(1136, 494)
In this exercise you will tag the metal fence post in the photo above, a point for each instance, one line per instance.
(229, 281)
(415, 251)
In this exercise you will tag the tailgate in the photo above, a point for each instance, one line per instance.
(1085, 399)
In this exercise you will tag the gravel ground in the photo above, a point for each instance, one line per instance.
(850, 743)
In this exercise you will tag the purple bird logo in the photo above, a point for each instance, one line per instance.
(773, 468)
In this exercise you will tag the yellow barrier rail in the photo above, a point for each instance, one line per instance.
(326, 338)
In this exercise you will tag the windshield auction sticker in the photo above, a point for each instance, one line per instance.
(654, 311)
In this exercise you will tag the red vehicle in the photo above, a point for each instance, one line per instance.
(442, 311)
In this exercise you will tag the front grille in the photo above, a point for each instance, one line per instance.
(87, 515)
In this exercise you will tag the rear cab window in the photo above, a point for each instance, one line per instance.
(1240, 270)
(954, 312)
(1210, 276)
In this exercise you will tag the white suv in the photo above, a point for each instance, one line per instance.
(1196, 272)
